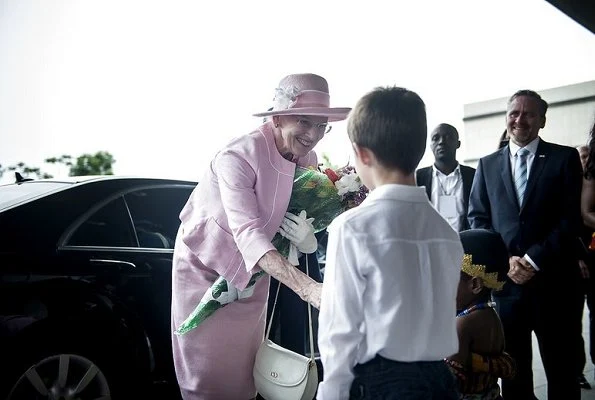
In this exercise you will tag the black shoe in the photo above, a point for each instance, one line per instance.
(582, 381)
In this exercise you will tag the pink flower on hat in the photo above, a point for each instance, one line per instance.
(285, 98)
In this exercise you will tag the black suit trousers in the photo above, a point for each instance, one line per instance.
(587, 289)
(524, 309)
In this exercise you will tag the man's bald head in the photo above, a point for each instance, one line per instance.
(444, 142)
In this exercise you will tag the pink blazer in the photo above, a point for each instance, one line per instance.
(236, 209)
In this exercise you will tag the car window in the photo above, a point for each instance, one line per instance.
(155, 214)
(109, 226)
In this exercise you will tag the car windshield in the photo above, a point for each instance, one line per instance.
(11, 195)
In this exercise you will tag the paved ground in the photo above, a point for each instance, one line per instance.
(539, 375)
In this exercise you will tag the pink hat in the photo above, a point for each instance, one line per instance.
(304, 94)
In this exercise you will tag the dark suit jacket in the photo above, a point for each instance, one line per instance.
(423, 177)
(548, 222)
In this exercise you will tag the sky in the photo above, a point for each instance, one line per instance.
(163, 85)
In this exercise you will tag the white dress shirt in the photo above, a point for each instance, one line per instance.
(532, 147)
(449, 185)
(392, 271)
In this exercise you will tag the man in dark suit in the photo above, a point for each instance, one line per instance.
(529, 192)
(447, 183)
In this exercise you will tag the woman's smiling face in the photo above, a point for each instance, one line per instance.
(298, 134)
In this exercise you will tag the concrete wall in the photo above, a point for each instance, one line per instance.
(570, 116)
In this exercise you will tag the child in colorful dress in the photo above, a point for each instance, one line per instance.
(481, 359)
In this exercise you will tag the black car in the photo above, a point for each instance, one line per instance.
(85, 287)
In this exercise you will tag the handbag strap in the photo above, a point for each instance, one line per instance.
(310, 330)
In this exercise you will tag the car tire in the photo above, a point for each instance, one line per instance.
(82, 360)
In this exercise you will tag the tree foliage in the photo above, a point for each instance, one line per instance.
(64, 159)
(26, 170)
(100, 163)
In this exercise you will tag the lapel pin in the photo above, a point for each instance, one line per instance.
(542, 156)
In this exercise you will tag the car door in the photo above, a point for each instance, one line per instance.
(155, 216)
(127, 245)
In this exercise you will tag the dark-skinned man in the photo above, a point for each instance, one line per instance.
(447, 182)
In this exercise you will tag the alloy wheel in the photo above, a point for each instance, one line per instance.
(62, 377)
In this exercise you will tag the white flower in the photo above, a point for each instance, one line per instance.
(285, 98)
(348, 183)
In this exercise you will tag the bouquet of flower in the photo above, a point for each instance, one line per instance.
(315, 193)
(349, 186)
(323, 196)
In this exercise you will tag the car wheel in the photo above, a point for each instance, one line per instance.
(67, 356)
(61, 376)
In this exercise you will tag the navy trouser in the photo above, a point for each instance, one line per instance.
(528, 308)
(587, 287)
(383, 379)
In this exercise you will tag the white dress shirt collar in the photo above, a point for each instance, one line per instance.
(532, 147)
(456, 171)
(396, 191)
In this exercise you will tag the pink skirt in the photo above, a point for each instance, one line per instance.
(215, 360)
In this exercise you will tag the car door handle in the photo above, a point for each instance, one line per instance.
(112, 262)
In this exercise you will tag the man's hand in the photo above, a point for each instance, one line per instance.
(520, 270)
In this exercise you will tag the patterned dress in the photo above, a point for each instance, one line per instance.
(480, 382)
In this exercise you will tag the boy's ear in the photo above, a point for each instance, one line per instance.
(476, 285)
(363, 154)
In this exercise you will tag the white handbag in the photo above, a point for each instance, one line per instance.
(281, 374)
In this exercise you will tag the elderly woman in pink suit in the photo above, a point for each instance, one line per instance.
(226, 230)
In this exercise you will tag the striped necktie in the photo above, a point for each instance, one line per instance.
(520, 174)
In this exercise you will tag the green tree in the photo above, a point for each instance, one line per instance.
(25, 170)
(64, 159)
(99, 163)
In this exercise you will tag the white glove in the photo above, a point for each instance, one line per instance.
(299, 231)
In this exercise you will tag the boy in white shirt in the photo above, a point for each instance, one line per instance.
(387, 316)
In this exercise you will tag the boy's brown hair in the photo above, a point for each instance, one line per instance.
(391, 122)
